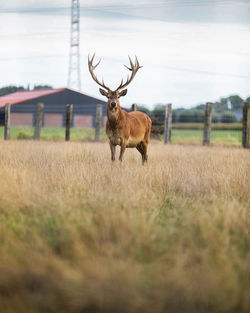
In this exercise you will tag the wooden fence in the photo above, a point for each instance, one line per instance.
(164, 126)
(161, 125)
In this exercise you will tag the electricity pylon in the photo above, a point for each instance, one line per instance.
(74, 78)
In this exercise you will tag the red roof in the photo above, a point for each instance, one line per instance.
(21, 96)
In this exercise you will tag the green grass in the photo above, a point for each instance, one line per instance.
(214, 126)
(52, 133)
(179, 136)
(218, 137)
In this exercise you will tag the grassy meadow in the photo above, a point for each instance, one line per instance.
(80, 234)
(223, 136)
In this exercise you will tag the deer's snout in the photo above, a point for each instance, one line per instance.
(113, 104)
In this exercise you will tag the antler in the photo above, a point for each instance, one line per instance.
(134, 68)
(91, 70)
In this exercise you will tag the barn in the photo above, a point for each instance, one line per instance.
(24, 107)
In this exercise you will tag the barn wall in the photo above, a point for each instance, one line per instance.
(81, 121)
(21, 119)
(2, 117)
(53, 120)
(104, 120)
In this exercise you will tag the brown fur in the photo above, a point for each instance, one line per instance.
(128, 130)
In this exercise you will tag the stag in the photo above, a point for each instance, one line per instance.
(128, 130)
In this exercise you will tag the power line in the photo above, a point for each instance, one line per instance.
(146, 4)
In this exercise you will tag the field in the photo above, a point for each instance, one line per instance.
(224, 136)
(79, 234)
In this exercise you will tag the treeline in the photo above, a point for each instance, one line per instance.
(226, 110)
(10, 89)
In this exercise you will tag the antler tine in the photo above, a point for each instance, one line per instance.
(92, 59)
(91, 70)
(128, 67)
(137, 62)
(94, 66)
(134, 68)
(131, 63)
(120, 84)
(103, 81)
(138, 65)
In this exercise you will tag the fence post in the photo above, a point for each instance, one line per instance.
(69, 109)
(246, 125)
(134, 107)
(7, 122)
(39, 118)
(168, 123)
(98, 121)
(207, 123)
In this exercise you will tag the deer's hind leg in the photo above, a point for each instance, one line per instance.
(141, 149)
(144, 143)
(145, 151)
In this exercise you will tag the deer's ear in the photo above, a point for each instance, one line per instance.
(123, 93)
(103, 92)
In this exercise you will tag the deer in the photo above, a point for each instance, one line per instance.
(124, 129)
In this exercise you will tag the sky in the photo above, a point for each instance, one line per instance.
(192, 51)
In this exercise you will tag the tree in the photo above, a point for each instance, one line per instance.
(158, 112)
(215, 118)
(228, 117)
(191, 116)
(220, 106)
(185, 116)
(159, 109)
(42, 87)
(174, 116)
(200, 107)
(144, 109)
(236, 102)
(233, 102)
(10, 89)
(198, 116)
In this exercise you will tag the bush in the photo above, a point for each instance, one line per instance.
(215, 118)
(159, 111)
(228, 117)
(191, 116)
(22, 135)
(144, 109)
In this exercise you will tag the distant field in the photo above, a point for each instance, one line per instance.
(218, 137)
(215, 126)
(52, 133)
(79, 234)
(180, 136)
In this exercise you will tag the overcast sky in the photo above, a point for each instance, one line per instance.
(192, 51)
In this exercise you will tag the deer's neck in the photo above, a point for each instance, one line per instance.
(115, 117)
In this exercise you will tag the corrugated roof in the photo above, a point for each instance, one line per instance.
(21, 96)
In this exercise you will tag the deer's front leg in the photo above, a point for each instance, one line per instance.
(112, 149)
(123, 147)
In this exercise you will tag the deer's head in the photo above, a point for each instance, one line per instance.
(113, 96)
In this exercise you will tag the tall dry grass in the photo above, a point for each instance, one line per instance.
(79, 234)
